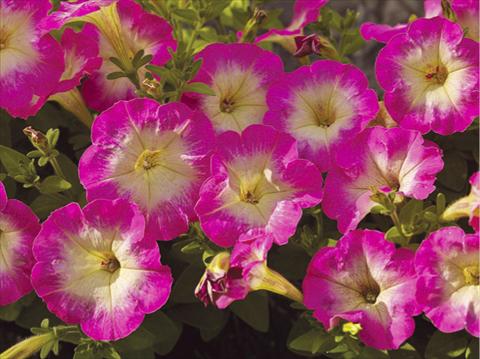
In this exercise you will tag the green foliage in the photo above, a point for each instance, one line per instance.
(447, 345)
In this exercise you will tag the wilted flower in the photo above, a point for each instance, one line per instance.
(323, 106)
(447, 266)
(230, 277)
(430, 77)
(379, 159)
(95, 268)
(30, 63)
(364, 280)
(155, 155)
(257, 184)
(239, 74)
(468, 206)
(18, 228)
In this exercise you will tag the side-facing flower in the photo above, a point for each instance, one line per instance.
(30, 63)
(430, 77)
(18, 228)
(95, 268)
(322, 106)
(231, 276)
(155, 155)
(257, 183)
(239, 74)
(365, 280)
(139, 31)
(304, 13)
(379, 159)
(124, 29)
(448, 286)
(81, 59)
(468, 206)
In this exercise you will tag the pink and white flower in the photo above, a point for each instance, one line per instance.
(322, 106)
(124, 29)
(18, 228)
(239, 74)
(139, 31)
(448, 280)
(468, 206)
(430, 77)
(95, 268)
(30, 63)
(257, 184)
(379, 159)
(231, 276)
(365, 280)
(155, 155)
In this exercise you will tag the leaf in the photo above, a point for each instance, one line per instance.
(473, 349)
(409, 211)
(406, 351)
(313, 341)
(184, 287)
(14, 162)
(44, 204)
(200, 317)
(11, 312)
(187, 15)
(199, 87)
(34, 314)
(394, 236)
(53, 184)
(253, 310)
(166, 332)
(71, 174)
(454, 174)
(144, 60)
(115, 75)
(446, 345)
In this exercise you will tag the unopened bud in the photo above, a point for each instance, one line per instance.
(351, 328)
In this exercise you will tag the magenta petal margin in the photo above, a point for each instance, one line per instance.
(95, 268)
(365, 280)
(155, 155)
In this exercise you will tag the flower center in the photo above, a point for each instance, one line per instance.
(3, 40)
(323, 117)
(438, 74)
(148, 160)
(226, 105)
(472, 275)
(249, 193)
(371, 292)
(110, 264)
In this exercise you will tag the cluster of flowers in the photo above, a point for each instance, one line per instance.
(244, 163)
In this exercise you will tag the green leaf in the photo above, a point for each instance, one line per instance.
(144, 60)
(199, 87)
(447, 345)
(46, 349)
(406, 351)
(253, 310)
(313, 341)
(184, 287)
(52, 137)
(394, 236)
(198, 316)
(70, 170)
(11, 312)
(166, 332)
(15, 163)
(138, 56)
(53, 184)
(42, 161)
(44, 204)
(115, 75)
(473, 349)
(187, 15)
(454, 173)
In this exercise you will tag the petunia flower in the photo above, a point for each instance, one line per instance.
(379, 160)
(257, 184)
(30, 63)
(364, 280)
(239, 74)
(465, 11)
(448, 280)
(468, 206)
(81, 59)
(304, 12)
(155, 155)
(18, 228)
(231, 276)
(322, 106)
(95, 268)
(124, 29)
(430, 77)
